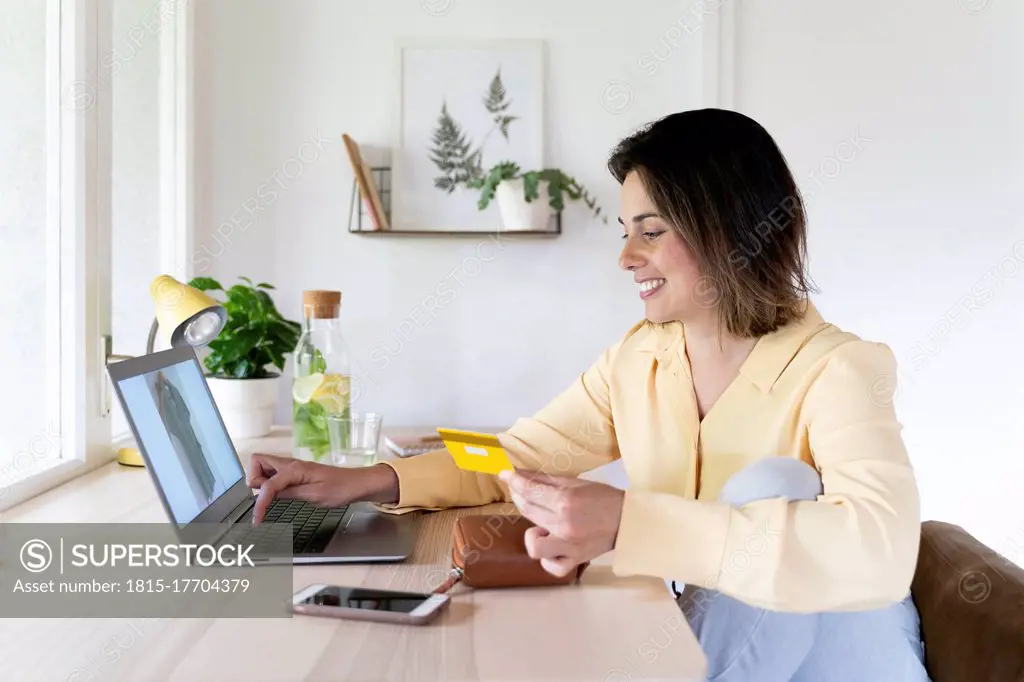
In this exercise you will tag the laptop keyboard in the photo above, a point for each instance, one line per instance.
(312, 526)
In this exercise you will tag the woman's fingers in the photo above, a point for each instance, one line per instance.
(559, 567)
(551, 480)
(556, 555)
(540, 544)
(538, 493)
(262, 467)
(538, 514)
(287, 482)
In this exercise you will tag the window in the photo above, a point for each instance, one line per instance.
(93, 202)
(29, 344)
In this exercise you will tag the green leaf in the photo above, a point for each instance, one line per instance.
(205, 284)
(264, 285)
(242, 369)
(556, 200)
(246, 280)
(531, 185)
(506, 170)
(241, 296)
(285, 334)
(256, 335)
(214, 363)
(309, 423)
(236, 346)
(261, 358)
(317, 364)
(267, 304)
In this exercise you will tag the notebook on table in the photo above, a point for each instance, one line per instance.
(408, 446)
(407, 441)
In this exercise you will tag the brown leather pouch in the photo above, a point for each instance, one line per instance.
(490, 551)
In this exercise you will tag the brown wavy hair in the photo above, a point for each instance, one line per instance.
(723, 184)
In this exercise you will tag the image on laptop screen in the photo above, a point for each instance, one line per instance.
(178, 426)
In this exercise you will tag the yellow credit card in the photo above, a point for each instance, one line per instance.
(476, 451)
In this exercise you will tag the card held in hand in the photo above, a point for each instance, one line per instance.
(480, 452)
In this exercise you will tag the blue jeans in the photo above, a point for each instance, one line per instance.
(744, 643)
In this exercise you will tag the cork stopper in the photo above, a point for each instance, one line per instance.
(321, 304)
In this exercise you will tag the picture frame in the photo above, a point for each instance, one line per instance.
(452, 99)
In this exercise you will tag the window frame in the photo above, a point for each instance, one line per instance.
(176, 150)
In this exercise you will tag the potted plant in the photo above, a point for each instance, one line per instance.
(519, 194)
(459, 163)
(245, 361)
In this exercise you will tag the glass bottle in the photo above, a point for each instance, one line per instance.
(322, 381)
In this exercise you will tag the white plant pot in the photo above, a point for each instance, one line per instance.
(519, 214)
(246, 405)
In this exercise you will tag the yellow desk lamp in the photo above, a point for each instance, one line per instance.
(188, 316)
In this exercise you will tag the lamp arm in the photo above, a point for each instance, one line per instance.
(151, 341)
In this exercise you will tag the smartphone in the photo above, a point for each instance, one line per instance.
(361, 603)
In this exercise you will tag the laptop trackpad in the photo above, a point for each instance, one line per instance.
(370, 523)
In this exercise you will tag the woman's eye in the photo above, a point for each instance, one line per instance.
(649, 235)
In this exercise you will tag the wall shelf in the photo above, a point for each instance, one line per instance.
(460, 233)
(382, 179)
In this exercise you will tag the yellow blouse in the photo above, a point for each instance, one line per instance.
(809, 391)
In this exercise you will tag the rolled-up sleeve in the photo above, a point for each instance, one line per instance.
(573, 433)
(853, 548)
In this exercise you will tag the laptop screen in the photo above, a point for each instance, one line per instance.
(189, 451)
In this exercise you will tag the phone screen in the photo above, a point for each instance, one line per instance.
(363, 598)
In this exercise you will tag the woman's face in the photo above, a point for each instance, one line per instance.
(668, 279)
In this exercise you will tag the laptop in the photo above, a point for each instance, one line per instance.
(196, 470)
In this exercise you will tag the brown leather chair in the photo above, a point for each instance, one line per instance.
(971, 602)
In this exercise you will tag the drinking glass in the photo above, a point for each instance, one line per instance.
(354, 438)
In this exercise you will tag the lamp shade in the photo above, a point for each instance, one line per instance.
(187, 316)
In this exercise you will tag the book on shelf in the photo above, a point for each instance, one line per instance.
(368, 191)
(407, 446)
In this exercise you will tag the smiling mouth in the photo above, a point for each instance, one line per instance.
(650, 287)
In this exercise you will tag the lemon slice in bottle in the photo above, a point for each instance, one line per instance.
(333, 393)
(304, 388)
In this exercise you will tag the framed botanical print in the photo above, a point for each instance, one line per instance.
(462, 107)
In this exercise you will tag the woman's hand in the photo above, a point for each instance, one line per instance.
(576, 520)
(321, 484)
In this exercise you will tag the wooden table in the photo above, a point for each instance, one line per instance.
(606, 629)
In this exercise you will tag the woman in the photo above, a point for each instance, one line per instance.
(769, 484)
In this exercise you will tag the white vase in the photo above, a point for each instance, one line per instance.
(519, 214)
(246, 405)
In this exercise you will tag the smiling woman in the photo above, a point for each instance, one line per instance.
(719, 186)
(768, 482)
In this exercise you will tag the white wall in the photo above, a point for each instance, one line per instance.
(273, 76)
(909, 233)
(904, 126)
